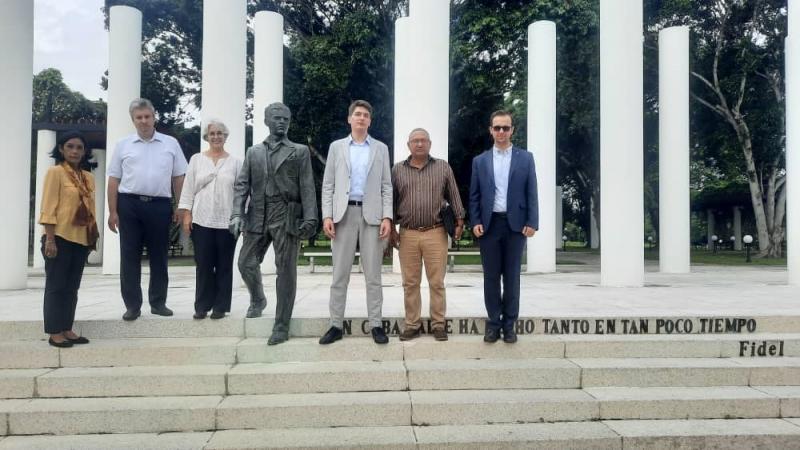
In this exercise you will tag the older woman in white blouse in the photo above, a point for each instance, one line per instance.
(206, 202)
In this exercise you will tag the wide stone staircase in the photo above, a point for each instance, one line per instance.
(183, 384)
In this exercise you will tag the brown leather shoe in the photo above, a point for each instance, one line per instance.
(409, 334)
(440, 334)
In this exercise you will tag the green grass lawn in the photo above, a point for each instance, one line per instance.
(723, 258)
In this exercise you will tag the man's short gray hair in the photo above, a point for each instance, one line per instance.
(417, 130)
(141, 103)
(217, 123)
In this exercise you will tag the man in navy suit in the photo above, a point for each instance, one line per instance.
(504, 210)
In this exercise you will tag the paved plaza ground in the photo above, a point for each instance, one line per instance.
(573, 291)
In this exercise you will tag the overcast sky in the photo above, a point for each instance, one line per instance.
(69, 35)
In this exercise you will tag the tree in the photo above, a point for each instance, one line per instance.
(738, 82)
(55, 102)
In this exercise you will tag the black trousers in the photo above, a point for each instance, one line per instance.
(213, 255)
(501, 257)
(62, 280)
(143, 223)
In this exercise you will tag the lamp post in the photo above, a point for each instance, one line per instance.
(714, 243)
(747, 239)
(733, 242)
(564, 239)
(650, 241)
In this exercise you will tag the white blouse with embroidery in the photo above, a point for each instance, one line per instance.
(208, 189)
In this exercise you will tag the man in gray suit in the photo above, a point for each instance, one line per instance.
(277, 177)
(357, 210)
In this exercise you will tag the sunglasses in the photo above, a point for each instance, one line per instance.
(502, 127)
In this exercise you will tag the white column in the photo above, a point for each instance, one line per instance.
(710, 227)
(559, 216)
(124, 81)
(268, 87)
(793, 146)
(594, 230)
(403, 102)
(621, 152)
(673, 150)
(45, 142)
(99, 156)
(542, 139)
(16, 79)
(431, 90)
(737, 227)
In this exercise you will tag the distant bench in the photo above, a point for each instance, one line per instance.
(451, 254)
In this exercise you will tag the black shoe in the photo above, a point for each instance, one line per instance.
(131, 314)
(510, 336)
(62, 344)
(255, 309)
(333, 335)
(379, 336)
(491, 335)
(199, 315)
(78, 340)
(217, 315)
(278, 338)
(160, 311)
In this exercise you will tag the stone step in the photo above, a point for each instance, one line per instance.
(153, 326)
(607, 435)
(652, 372)
(370, 409)
(114, 415)
(326, 376)
(136, 381)
(22, 354)
(440, 374)
(19, 383)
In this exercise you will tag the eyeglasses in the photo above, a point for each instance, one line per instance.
(502, 127)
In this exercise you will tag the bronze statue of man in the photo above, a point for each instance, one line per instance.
(277, 179)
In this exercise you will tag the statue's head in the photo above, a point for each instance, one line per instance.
(277, 117)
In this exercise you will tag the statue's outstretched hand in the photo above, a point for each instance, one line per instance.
(235, 226)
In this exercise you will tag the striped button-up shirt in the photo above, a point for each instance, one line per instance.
(420, 193)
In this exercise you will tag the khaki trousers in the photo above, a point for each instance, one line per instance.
(429, 247)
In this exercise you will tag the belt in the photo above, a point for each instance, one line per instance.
(355, 203)
(501, 215)
(145, 198)
(432, 227)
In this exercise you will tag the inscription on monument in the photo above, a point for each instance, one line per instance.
(579, 326)
(760, 348)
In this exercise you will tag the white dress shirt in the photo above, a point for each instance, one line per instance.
(147, 167)
(359, 162)
(501, 159)
(208, 190)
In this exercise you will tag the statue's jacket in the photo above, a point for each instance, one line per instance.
(293, 180)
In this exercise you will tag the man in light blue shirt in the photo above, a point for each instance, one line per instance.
(145, 169)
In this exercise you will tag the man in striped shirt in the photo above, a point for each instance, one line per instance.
(422, 186)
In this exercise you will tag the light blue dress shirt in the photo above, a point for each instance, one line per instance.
(147, 167)
(359, 162)
(501, 159)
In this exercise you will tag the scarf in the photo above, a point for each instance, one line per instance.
(83, 216)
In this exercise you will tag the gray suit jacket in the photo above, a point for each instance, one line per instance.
(294, 178)
(336, 182)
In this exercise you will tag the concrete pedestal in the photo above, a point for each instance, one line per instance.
(124, 82)
(45, 142)
(621, 153)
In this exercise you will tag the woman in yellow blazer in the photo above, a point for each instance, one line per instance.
(70, 232)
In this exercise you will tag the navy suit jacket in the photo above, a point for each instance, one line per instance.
(522, 205)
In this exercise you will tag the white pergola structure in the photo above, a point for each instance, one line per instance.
(793, 145)
(268, 89)
(124, 85)
(673, 150)
(542, 140)
(621, 148)
(621, 111)
(422, 79)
